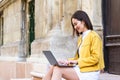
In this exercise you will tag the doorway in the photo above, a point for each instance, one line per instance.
(1, 28)
(111, 23)
(31, 23)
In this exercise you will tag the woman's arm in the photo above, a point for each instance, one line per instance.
(95, 51)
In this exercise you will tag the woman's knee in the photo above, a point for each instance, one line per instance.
(56, 68)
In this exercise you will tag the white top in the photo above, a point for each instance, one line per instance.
(83, 36)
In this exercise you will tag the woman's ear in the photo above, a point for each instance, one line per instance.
(83, 22)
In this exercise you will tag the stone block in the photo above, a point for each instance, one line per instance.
(10, 49)
(12, 22)
(20, 69)
(7, 70)
(67, 12)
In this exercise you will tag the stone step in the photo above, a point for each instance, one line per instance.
(21, 79)
(41, 68)
(39, 71)
(37, 74)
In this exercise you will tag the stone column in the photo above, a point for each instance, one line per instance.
(79, 7)
(93, 9)
(60, 11)
(49, 15)
(87, 6)
(97, 16)
(55, 12)
(40, 19)
(69, 7)
(22, 44)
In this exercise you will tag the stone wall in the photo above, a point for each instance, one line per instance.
(53, 32)
(49, 13)
(15, 70)
(53, 26)
(11, 29)
(12, 22)
(93, 9)
(68, 9)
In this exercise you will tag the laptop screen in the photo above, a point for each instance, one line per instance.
(50, 57)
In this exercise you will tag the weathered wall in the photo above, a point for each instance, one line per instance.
(11, 29)
(40, 18)
(12, 22)
(53, 24)
(69, 8)
(49, 13)
(53, 32)
(93, 9)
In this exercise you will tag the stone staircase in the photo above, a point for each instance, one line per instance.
(33, 71)
(13, 70)
(37, 72)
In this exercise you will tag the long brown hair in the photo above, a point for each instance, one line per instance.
(81, 16)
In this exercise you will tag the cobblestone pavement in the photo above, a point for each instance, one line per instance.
(107, 76)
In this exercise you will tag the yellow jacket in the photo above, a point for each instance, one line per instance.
(91, 53)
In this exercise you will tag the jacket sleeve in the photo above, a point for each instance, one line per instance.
(95, 51)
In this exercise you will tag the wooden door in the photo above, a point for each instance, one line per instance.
(111, 23)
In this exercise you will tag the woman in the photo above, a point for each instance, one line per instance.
(89, 56)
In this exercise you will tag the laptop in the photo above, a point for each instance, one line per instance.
(53, 61)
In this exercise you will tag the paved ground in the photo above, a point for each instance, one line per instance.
(103, 76)
(107, 76)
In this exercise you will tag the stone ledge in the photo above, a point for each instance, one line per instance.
(37, 74)
(10, 49)
(5, 58)
(22, 79)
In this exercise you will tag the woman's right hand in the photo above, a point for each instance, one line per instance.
(72, 61)
(64, 62)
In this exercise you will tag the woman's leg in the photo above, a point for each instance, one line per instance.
(67, 73)
(49, 74)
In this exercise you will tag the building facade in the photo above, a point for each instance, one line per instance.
(30, 26)
(27, 27)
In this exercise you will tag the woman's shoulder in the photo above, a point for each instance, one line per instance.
(94, 33)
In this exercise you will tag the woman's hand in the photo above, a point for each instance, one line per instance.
(67, 62)
(64, 62)
(72, 61)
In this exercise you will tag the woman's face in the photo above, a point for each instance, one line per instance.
(78, 25)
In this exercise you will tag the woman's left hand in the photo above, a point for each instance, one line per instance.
(67, 62)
